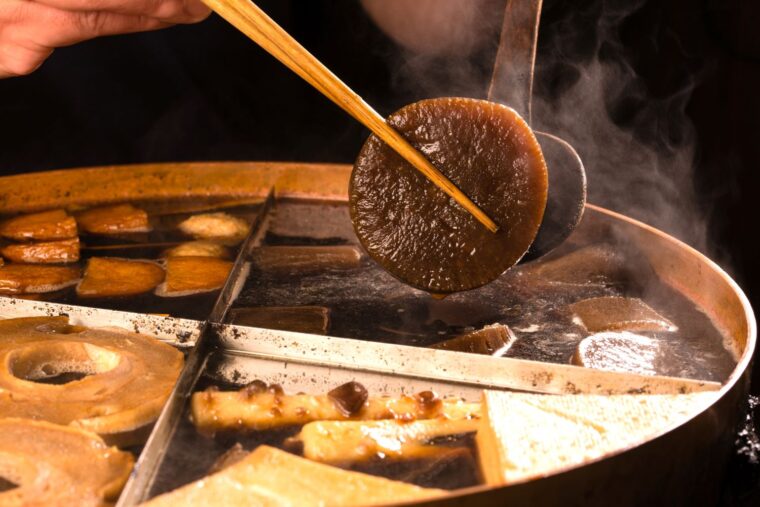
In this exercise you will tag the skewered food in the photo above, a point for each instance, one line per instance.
(346, 441)
(112, 277)
(414, 230)
(45, 226)
(46, 252)
(25, 278)
(116, 219)
(221, 227)
(58, 465)
(200, 248)
(625, 352)
(524, 436)
(193, 275)
(271, 477)
(495, 339)
(305, 259)
(301, 319)
(129, 376)
(260, 407)
(614, 313)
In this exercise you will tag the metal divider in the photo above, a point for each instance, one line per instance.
(151, 457)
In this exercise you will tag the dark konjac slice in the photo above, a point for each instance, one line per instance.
(494, 339)
(302, 319)
(417, 232)
(306, 259)
(26, 278)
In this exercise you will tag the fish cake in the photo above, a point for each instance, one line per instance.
(44, 226)
(44, 252)
(116, 219)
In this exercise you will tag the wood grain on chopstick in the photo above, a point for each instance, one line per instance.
(253, 22)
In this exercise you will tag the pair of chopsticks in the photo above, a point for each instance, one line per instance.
(253, 22)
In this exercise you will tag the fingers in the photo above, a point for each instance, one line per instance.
(170, 11)
(30, 31)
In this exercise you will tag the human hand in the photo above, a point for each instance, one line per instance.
(31, 29)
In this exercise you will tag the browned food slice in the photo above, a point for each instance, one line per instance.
(613, 313)
(58, 465)
(270, 477)
(257, 408)
(414, 230)
(301, 319)
(47, 252)
(26, 278)
(306, 259)
(624, 352)
(114, 219)
(221, 227)
(111, 277)
(45, 226)
(524, 436)
(594, 264)
(128, 376)
(495, 339)
(200, 248)
(193, 275)
(346, 441)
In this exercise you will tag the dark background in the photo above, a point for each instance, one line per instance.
(204, 92)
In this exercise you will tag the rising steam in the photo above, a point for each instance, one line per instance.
(638, 150)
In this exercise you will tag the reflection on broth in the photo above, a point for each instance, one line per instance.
(532, 299)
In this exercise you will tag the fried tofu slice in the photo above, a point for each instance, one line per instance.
(199, 248)
(269, 477)
(116, 219)
(221, 227)
(525, 436)
(495, 339)
(112, 277)
(27, 278)
(347, 441)
(44, 226)
(306, 259)
(300, 319)
(614, 313)
(214, 411)
(193, 275)
(46, 252)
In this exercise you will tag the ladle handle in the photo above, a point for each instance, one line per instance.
(253, 22)
(512, 78)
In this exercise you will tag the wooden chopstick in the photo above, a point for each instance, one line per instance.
(253, 22)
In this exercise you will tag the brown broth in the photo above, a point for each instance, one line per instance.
(368, 303)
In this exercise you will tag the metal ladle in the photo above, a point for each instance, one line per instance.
(512, 84)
